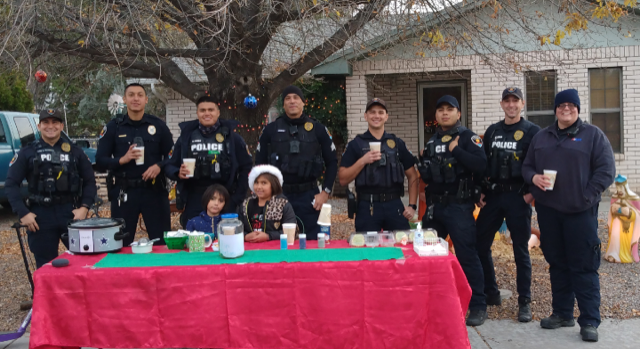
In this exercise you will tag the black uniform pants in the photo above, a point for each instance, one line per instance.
(570, 244)
(306, 214)
(512, 207)
(386, 216)
(152, 203)
(53, 222)
(456, 220)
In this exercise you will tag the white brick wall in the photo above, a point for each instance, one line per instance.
(395, 81)
(179, 109)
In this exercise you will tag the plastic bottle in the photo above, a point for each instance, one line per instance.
(283, 241)
(321, 240)
(303, 241)
(418, 235)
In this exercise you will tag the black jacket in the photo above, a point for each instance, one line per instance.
(278, 211)
(584, 161)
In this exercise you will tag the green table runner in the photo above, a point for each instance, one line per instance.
(119, 260)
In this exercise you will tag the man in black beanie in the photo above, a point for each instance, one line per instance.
(569, 165)
(300, 147)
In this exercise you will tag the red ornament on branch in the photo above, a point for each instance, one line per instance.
(41, 76)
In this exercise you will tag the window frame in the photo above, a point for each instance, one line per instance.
(528, 113)
(609, 110)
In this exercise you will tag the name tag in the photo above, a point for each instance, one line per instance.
(281, 131)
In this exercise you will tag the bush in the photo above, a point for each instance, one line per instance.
(13, 93)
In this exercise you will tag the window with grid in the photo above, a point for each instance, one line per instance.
(606, 99)
(540, 94)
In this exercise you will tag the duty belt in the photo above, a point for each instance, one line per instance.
(446, 199)
(50, 200)
(299, 188)
(135, 183)
(384, 197)
(504, 188)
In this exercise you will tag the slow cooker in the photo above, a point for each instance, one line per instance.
(96, 235)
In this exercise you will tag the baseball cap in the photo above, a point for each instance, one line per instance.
(51, 113)
(512, 91)
(450, 100)
(377, 101)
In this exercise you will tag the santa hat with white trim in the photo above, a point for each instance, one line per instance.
(257, 170)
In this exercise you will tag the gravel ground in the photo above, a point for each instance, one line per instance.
(620, 284)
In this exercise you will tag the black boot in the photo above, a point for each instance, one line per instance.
(524, 311)
(476, 317)
(589, 333)
(494, 299)
(554, 321)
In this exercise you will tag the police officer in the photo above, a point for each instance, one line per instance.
(137, 187)
(299, 146)
(379, 174)
(221, 155)
(506, 196)
(61, 187)
(568, 211)
(452, 160)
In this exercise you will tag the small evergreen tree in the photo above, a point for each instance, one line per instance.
(13, 93)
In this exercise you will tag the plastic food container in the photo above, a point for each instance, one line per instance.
(403, 236)
(432, 247)
(387, 239)
(142, 246)
(175, 240)
(372, 239)
(356, 240)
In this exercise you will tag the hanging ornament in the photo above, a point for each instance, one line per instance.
(250, 102)
(41, 76)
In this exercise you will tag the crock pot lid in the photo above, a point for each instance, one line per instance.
(95, 223)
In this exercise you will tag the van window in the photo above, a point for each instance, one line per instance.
(25, 131)
(3, 137)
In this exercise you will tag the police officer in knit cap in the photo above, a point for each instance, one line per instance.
(300, 147)
(567, 208)
(136, 187)
(61, 187)
(506, 196)
(379, 174)
(221, 156)
(452, 161)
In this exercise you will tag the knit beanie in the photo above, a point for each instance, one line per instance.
(292, 89)
(568, 96)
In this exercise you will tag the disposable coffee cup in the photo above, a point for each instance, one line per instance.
(140, 160)
(290, 230)
(325, 214)
(552, 178)
(228, 230)
(191, 165)
(374, 146)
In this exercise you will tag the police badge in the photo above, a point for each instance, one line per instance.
(391, 143)
(219, 137)
(518, 135)
(66, 147)
(446, 138)
(308, 126)
(151, 129)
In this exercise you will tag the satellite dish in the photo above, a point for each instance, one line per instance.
(115, 104)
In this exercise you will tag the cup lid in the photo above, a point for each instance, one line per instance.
(320, 235)
(229, 216)
(302, 236)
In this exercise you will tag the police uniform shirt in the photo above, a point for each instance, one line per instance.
(468, 154)
(515, 137)
(22, 166)
(322, 135)
(116, 139)
(353, 153)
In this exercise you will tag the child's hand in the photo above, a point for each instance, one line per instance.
(256, 236)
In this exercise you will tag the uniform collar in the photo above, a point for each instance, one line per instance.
(145, 119)
(368, 135)
(58, 143)
(455, 129)
(299, 121)
(571, 129)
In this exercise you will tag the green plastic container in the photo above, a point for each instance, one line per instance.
(174, 243)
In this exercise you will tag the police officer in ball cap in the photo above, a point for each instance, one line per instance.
(379, 174)
(567, 207)
(136, 182)
(61, 186)
(506, 196)
(452, 163)
(221, 157)
(300, 147)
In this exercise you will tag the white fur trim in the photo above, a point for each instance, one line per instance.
(256, 171)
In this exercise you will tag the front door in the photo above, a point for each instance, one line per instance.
(428, 95)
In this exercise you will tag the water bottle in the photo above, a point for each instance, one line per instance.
(418, 235)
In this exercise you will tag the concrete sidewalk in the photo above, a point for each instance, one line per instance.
(508, 334)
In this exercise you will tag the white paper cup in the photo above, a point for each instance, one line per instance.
(325, 214)
(552, 177)
(290, 230)
(140, 160)
(228, 230)
(374, 146)
(191, 165)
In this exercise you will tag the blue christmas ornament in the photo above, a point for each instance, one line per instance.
(250, 102)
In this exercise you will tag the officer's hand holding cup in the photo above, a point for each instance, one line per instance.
(542, 181)
(132, 154)
(187, 168)
(30, 221)
(372, 155)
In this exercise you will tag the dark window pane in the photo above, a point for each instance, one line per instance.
(541, 90)
(609, 123)
(542, 120)
(605, 87)
(3, 137)
(25, 131)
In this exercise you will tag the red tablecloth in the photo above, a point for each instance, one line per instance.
(411, 303)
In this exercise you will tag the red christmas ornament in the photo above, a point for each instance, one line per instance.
(41, 76)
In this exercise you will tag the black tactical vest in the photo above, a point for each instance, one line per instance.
(506, 157)
(212, 155)
(388, 172)
(438, 164)
(55, 174)
(295, 149)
